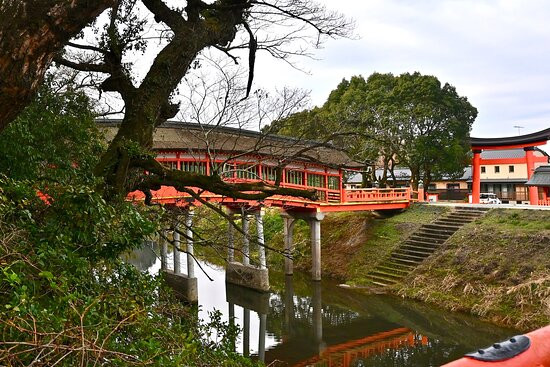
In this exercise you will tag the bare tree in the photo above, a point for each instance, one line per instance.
(280, 27)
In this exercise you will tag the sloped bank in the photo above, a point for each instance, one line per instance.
(497, 267)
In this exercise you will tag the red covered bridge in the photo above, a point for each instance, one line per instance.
(239, 155)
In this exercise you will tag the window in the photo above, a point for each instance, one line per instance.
(314, 180)
(334, 183)
(511, 169)
(482, 169)
(295, 177)
(269, 173)
(453, 186)
(193, 166)
(432, 187)
(247, 171)
(170, 164)
(497, 169)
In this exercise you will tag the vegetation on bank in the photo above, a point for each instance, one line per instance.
(66, 298)
(497, 267)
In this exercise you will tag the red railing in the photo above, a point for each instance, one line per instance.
(367, 195)
(544, 202)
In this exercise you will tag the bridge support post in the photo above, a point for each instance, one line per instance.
(261, 337)
(244, 274)
(246, 332)
(288, 229)
(190, 250)
(261, 240)
(177, 246)
(315, 226)
(163, 250)
(230, 237)
(184, 286)
(246, 238)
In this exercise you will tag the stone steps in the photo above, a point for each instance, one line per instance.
(420, 245)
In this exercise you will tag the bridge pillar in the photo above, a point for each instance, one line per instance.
(230, 237)
(246, 238)
(177, 246)
(243, 273)
(314, 220)
(261, 240)
(288, 229)
(246, 332)
(163, 250)
(184, 286)
(315, 226)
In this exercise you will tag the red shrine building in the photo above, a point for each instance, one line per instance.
(498, 160)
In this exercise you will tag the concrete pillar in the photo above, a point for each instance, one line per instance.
(246, 332)
(261, 337)
(189, 235)
(476, 179)
(315, 226)
(261, 239)
(163, 251)
(177, 244)
(231, 239)
(232, 319)
(288, 229)
(246, 238)
(530, 160)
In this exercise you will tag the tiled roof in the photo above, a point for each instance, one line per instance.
(541, 177)
(193, 138)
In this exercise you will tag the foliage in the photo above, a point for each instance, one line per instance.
(409, 120)
(65, 296)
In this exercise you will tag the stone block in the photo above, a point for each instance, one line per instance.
(247, 276)
(185, 288)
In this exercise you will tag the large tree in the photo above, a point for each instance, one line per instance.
(280, 27)
(410, 120)
(31, 33)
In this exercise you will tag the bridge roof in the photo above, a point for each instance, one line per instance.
(537, 138)
(191, 137)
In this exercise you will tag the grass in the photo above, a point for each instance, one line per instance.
(497, 267)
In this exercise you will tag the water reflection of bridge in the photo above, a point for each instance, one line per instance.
(326, 335)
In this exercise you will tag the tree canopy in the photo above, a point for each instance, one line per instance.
(409, 120)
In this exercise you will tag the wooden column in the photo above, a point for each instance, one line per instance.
(476, 180)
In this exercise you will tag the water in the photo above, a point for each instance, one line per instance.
(305, 323)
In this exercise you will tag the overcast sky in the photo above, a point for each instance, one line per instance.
(496, 53)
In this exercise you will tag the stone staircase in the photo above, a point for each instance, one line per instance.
(420, 245)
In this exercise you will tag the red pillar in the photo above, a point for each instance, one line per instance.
(476, 182)
(530, 160)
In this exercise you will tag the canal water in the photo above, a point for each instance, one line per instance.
(305, 323)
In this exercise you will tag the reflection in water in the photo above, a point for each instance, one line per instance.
(305, 323)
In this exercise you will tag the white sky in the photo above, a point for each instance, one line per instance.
(495, 52)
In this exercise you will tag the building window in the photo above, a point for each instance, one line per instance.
(511, 169)
(453, 186)
(432, 187)
(295, 177)
(314, 180)
(497, 169)
(334, 183)
(247, 171)
(269, 173)
(482, 169)
(196, 167)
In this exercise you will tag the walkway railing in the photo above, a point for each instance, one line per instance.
(366, 195)
(544, 202)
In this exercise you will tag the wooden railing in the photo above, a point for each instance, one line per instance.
(366, 195)
(544, 202)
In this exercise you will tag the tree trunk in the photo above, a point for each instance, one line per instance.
(31, 33)
(392, 172)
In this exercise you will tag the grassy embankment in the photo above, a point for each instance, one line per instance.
(497, 267)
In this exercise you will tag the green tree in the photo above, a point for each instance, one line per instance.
(410, 120)
(66, 297)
